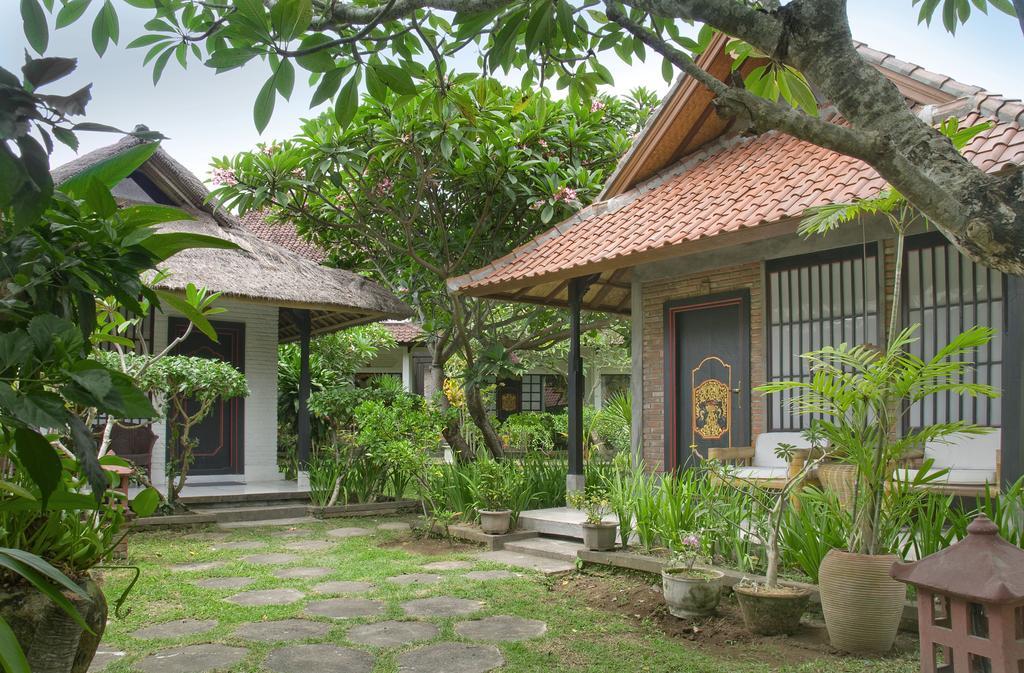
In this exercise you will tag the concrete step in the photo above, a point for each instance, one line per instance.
(529, 562)
(254, 512)
(547, 547)
(236, 500)
(558, 521)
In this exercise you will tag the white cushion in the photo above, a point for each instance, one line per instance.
(768, 442)
(761, 472)
(960, 476)
(969, 452)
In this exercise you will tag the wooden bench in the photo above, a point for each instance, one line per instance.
(972, 462)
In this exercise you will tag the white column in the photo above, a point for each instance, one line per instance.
(407, 369)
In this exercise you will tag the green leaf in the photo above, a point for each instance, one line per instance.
(397, 79)
(318, 61)
(284, 79)
(39, 460)
(291, 18)
(43, 568)
(40, 71)
(71, 12)
(348, 101)
(12, 658)
(161, 62)
(83, 445)
(164, 245)
(190, 312)
(99, 198)
(34, 23)
(328, 86)
(229, 58)
(109, 171)
(263, 108)
(145, 214)
(42, 583)
(146, 502)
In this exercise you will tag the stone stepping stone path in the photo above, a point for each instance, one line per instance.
(224, 582)
(399, 526)
(274, 558)
(486, 575)
(309, 545)
(392, 634)
(192, 659)
(343, 533)
(441, 606)
(345, 608)
(321, 658)
(102, 659)
(414, 578)
(301, 573)
(262, 597)
(239, 545)
(176, 628)
(342, 587)
(501, 629)
(207, 535)
(196, 566)
(449, 565)
(451, 658)
(282, 630)
(290, 533)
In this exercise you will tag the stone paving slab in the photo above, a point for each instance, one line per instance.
(414, 578)
(529, 562)
(501, 629)
(342, 587)
(348, 532)
(176, 628)
(449, 565)
(398, 526)
(290, 533)
(345, 608)
(273, 558)
(262, 597)
(224, 582)
(451, 658)
(282, 630)
(320, 658)
(195, 566)
(239, 545)
(441, 606)
(103, 658)
(486, 575)
(309, 545)
(193, 659)
(301, 573)
(392, 634)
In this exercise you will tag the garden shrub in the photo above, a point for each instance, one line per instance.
(530, 431)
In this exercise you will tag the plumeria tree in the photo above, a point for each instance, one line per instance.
(416, 189)
(403, 45)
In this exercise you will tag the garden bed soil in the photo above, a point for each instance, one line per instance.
(636, 598)
(427, 546)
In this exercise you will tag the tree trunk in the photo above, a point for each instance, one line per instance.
(478, 412)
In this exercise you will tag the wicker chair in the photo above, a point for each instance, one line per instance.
(759, 465)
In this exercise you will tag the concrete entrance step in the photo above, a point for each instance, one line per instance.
(547, 547)
(562, 522)
(255, 512)
(529, 562)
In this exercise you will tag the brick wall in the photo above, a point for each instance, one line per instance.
(655, 294)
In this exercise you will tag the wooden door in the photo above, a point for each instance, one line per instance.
(708, 376)
(220, 434)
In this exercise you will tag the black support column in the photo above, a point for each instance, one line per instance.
(577, 289)
(302, 321)
(1013, 382)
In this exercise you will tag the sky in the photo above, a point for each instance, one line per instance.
(205, 115)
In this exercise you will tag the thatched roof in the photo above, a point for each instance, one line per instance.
(260, 271)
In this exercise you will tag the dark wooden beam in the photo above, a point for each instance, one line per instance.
(1013, 383)
(302, 321)
(577, 289)
(607, 286)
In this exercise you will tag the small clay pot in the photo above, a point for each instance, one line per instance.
(692, 593)
(772, 612)
(496, 522)
(599, 536)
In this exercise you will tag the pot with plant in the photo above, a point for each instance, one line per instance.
(494, 494)
(768, 607)
(690, 591)
(598, 534)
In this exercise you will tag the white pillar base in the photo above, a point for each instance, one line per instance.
(303, 481)
(575, 483)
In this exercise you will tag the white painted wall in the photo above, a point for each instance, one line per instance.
(260, 363)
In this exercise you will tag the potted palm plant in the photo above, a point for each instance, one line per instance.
(690, 591)
(860, 394)
(495, 494)
(598, 535)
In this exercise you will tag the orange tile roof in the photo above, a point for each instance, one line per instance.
(404, 331)
(283, 234)
(729, 185)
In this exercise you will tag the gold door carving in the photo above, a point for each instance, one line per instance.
(711, 415)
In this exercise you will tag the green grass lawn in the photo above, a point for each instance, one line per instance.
(581, 635)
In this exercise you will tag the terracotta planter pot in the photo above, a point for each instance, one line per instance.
(53, 642)
(772, 613)
(599, 536)
(691, 593)
(496, 522)
(841, 479)
(862, 604)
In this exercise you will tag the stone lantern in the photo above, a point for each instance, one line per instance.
(970, 604)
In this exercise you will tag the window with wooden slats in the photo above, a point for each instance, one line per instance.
(817, 300)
